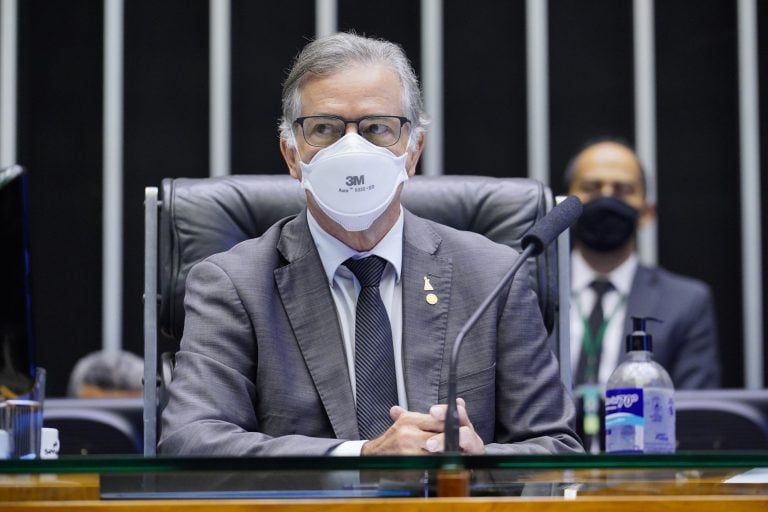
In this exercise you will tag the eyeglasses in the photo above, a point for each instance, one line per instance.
(322, 131)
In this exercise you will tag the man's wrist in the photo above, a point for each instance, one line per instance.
(348, 449)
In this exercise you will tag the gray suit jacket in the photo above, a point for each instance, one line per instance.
(262, 370)
(686, 343)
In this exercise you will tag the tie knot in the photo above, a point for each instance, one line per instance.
(601, 287)
(367, 270)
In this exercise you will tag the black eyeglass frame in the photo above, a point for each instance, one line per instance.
(300, 121)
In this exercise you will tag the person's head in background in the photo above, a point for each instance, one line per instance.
(104, 374)
(608, 178)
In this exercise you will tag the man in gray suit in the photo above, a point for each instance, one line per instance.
(608, 177)
(331, 333)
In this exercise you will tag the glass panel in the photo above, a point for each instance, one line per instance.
(719, 474)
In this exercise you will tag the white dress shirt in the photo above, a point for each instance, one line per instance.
(614, 308)
(345, 288)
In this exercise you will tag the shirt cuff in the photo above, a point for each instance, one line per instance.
(348, 449)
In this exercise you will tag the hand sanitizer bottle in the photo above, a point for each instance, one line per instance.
(639, 400)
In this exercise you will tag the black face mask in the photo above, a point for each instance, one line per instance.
(606, 223)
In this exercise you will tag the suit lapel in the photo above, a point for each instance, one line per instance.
(307, 299)
(646, 299)
(424, 323)
(642, 300)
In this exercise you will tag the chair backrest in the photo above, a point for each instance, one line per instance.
(728, 419)
(200, 217)
(90, 431)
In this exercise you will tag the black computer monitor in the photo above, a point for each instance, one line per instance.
(17, 342)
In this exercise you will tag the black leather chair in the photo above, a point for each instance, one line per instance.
(96, 425)
(199, 217)
(92, 431)
(722, 419)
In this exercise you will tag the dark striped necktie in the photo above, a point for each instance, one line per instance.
(375, 382)
(589, 361)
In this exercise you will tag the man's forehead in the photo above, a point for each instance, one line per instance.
(608, 161)
(368, 87)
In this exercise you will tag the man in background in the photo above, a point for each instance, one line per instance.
(608, 178)
(609, 285)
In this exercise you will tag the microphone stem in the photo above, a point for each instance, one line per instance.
(452, 412)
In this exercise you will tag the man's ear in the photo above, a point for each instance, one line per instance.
(647, 214)
(291, 157)
(413, 155)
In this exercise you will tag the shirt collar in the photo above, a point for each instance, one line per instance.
(621, 277)
(333, 252)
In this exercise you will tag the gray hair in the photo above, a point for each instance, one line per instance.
(121, 370)
(332, 54)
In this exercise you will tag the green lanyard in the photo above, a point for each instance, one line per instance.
(592, 345)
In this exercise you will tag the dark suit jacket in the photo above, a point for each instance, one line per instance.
(686, 343)
(262, 368)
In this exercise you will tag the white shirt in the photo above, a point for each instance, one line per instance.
(345, 288)
(614, 305)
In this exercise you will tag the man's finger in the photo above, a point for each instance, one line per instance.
(419, 420)
(435, 443)
(395, 412)
(438, 412)
(425, 422)
(463, 416)
(470, 442)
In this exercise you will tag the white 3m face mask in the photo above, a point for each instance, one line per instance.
(353, 181)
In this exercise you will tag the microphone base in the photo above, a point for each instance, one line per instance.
(453, 483)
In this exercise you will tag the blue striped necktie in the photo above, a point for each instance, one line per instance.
(375, 383)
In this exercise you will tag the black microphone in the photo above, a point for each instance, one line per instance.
(555, 222)
(560, 218)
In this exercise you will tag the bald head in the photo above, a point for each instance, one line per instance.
(607, 169)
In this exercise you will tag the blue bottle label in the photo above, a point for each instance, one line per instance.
(624, 420)
(639, 421)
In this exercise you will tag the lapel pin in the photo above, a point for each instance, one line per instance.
(427, 284)
(431, 299)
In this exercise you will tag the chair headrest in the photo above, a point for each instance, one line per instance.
(200, 217)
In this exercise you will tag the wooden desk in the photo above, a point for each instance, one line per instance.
(591, 504)
(55, 487)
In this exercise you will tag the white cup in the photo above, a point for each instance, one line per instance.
(49, 443)
(5, 448)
